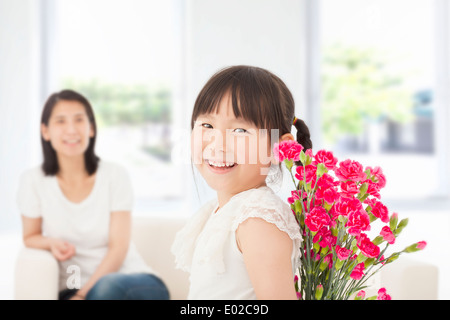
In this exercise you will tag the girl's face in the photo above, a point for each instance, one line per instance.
(69, 129)
(231, 154)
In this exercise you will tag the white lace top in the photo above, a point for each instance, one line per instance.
(206, 247)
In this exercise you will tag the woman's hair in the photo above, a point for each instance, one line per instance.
(257, 95)
(50, 165)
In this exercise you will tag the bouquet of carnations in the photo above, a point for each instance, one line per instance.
(335, 204)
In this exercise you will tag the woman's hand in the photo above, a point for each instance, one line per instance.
(61, 250)
(77, 296)
(33, 238)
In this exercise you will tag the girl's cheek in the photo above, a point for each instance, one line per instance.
(242, 150)
(196, 146)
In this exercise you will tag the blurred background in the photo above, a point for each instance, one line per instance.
(370, 78)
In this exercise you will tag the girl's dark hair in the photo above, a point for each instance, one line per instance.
(257, 95)
(50, 165)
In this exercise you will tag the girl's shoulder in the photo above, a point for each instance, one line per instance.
(263, 203)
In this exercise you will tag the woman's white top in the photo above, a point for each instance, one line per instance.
(84, 224)
(206, 247)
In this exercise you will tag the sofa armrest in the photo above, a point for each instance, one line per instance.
(408, 279)
(36, 275)
(153, 237)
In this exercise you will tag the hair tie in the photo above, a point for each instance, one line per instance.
(295, 120)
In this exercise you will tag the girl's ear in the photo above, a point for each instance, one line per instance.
(286, 137)
(44, 132)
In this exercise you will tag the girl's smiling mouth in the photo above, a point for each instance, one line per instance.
(220, 166)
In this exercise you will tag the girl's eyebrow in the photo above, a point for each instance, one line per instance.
(213, 117)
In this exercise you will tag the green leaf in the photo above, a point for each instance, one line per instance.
(321, 169)
(303, 157)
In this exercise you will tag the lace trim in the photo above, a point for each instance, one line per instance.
(270, 216)
(254, 203)
(185, 240)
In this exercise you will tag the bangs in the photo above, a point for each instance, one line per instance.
(253, 92)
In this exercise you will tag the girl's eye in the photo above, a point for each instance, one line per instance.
(79, 120)
(207, 125)
(240, 130)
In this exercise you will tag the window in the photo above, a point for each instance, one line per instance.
(125, 57)
(378, 89)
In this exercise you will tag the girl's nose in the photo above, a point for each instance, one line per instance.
(215, 140)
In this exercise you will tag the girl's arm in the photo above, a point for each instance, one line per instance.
(119, 240)
(267, 256)
(33, 238)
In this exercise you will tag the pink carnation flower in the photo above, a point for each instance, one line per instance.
(330, 195)
(343, 253)
(357, 272)
(379, 210)
(382, 295)
(345, 206)
(361, 294)
(310, 176)
(317, 218)
(295, 196)
(327, 181)
(421, 245)
(373, 189)
(350, 170)
(349, 189)
(358, 221)
(367, 247)
(387, 235)
(287, 150)
(378, 176)
(325, 238)
(327, 158)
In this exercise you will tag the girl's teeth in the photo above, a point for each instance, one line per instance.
(221, 165)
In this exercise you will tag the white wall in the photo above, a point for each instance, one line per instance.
(263, 33)
(19, 110)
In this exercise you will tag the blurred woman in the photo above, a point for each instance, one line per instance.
(79, 208)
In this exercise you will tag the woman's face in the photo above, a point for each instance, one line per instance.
(69, 128)
(231, 154)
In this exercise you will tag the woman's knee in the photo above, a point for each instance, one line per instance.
(107, 287)
(116, 286)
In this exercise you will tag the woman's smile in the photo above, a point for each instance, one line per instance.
(72, 142)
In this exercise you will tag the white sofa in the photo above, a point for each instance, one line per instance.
(36, 271)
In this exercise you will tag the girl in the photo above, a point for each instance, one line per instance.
(78, 207)
(244, 244)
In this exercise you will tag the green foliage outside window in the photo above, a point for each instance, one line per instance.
(359, 85)
(133, 105)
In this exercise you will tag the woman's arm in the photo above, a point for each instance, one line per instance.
(267, 255)
(33, 238)
(119, 240)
